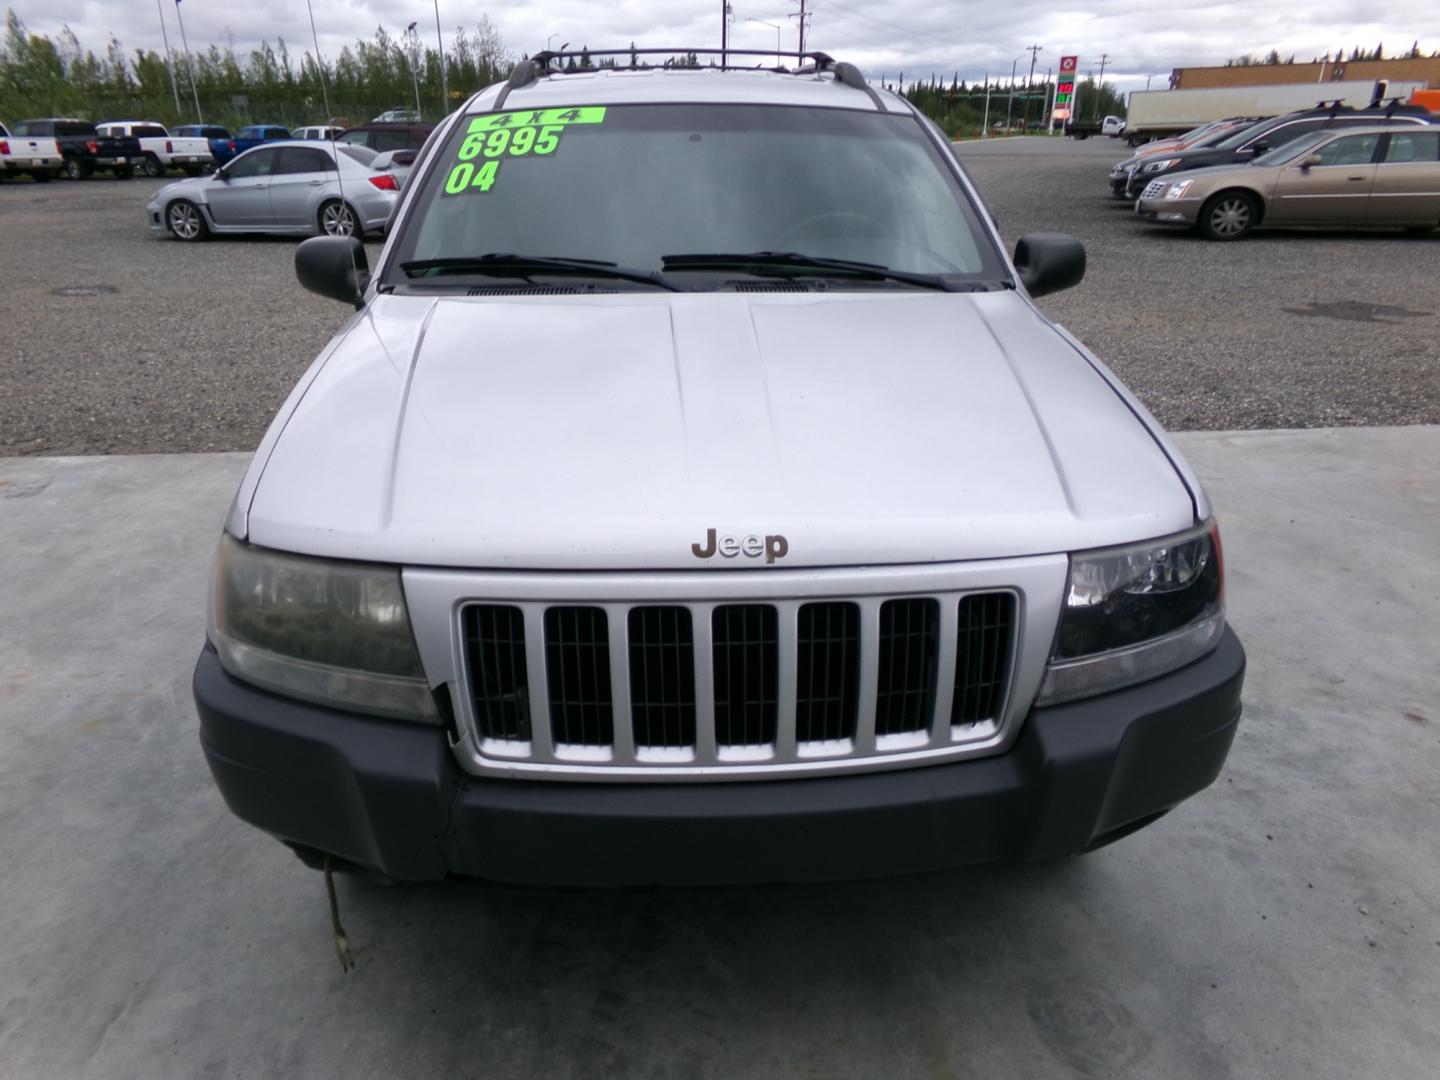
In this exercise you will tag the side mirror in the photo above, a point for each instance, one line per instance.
(1049, 262)
(1261, 147)
(220, 174)
(334, 266)
(1310, 162)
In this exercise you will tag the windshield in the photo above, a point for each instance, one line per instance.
(632, 184)
(1285, 151)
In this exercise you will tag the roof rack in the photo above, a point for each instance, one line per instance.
(543, 64)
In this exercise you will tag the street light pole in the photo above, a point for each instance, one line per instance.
(444, 83)
(169, 63)
(774, 27)
(1100, 86)
(319, 64)
(189, 63)
(414, 37)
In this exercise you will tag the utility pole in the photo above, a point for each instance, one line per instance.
(724, 29)
(189, 63)
(319, 64)
(803, 16)
(1032, 50)
(1104, 59)
(169, 63)
(985, 124)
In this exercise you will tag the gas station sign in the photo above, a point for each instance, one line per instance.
(1065, 88)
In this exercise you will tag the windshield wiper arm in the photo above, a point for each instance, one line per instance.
(508, 263)
(761, 261)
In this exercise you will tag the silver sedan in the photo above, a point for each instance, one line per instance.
(293, 187)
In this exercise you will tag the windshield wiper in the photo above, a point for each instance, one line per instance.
(502, 263)
(772, 261)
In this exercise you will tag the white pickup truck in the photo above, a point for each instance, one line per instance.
(162, 150)
(40, 157)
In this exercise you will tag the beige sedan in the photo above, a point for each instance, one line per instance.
(1366, 176)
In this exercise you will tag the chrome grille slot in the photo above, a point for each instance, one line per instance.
(577, 667)
(662, 676)
(909, 648)
(827, 672)
(982, 658)
(746, 675)
(495, 648)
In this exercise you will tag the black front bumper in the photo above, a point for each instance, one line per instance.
(390, 797)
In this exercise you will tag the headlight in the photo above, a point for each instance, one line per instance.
(1177, 191)
(336, 633)
(1160, 166)
(1133, 613)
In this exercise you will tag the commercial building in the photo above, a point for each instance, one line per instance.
(1425, 69)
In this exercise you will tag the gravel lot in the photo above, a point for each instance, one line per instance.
(197, 346)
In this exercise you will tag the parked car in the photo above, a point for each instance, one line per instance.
(38, 156)
(1250, 142)
(317, 131)
(738, 530)
(398, 116)
(1206, 135)
(245, 139)
(1360, 176)
(82, 148)
(201, 131)
(162, 150)
(299, 188)
(388, 136)
(1113, 126)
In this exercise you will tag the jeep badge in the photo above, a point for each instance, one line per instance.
(773, 546)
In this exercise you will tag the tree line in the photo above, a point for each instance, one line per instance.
(269, 84)
(1357, 53)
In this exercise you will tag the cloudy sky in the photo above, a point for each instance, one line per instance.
(882, 36)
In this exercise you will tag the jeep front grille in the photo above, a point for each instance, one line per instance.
(575, 687)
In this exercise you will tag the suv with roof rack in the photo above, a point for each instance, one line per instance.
(698, 495)
(1248, 143)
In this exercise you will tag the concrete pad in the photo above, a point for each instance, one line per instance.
(1282, 924)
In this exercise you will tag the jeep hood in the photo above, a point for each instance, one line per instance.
(614, 431)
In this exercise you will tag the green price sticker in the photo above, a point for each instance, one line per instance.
(588, 114)
(530, 133)
(466, 177)
(512, 142)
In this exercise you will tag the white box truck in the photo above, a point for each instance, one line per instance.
(1155, 114)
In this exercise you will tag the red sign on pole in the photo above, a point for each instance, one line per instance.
(1064, 103)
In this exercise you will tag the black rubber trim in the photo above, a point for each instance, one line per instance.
(390, 796)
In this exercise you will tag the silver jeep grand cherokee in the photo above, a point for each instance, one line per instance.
(698, 495)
